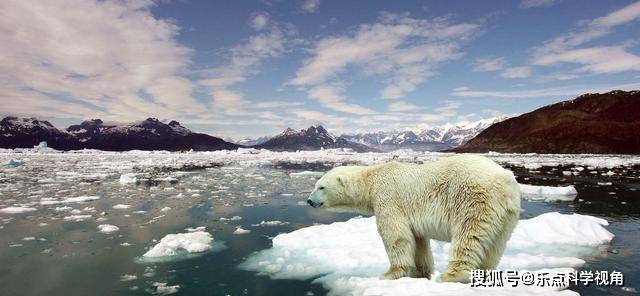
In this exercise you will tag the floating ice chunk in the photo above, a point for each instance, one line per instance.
(570, 230)
(165, 209)
(548, 193)
(16, 210)
(240, 230)
(605, 183)
(128, 277)
(194, 229)
(12, 163)
(234, 218)
(63, 209)
(270, 223)
(248, 151)
(173, 244)
(77, 218)
(121, 207)
(550, 243)
(163, 289)
(129, 178)
(305, 174)
(107, 228)
(80, 199)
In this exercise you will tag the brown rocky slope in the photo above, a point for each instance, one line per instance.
(607, 123)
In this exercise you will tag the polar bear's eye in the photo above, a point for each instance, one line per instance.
(321, 188)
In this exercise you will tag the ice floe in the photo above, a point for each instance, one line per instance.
(78, 199)
(270, 223)
(181, 243)
(548, 193)
(16, 210)
(240, 230)
(77, 218)
(128, 277)
(347, 257)
(108, 228)
(129, 178)
(164, 289)
(121, 207)
(306, 174)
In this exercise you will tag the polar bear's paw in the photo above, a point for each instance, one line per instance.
(398, 272)
(460, 277)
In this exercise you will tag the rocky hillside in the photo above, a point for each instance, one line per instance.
(149, 134)
(314, 138)
(591, 123)
(430, 139)
(18, 132)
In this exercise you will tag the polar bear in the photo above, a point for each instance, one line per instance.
(467, 200)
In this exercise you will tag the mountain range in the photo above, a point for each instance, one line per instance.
(149, 134)
(315, 137)
(607, 123)
(428, 139)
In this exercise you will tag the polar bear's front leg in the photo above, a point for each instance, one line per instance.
(400, 246)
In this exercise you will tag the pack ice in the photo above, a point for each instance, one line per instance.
(347, 257)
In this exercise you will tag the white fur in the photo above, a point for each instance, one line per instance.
(468, 200)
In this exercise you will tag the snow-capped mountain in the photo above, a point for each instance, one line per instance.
(18, 132)
(252, 141)
(149, 134)
(430, 139)
(314, 138)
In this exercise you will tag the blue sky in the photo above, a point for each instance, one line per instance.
(251, 68)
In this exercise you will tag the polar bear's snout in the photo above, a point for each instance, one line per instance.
(314, 201)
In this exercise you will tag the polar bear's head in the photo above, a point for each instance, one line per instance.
(339, 190)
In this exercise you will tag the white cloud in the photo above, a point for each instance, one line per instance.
(332, 97)
(402, 106)
(92, 58)
(567, 91)
(403, 50)
(598, 59)
(489, 64)
(516, 72)
(310, 6)
(606, 59)
(537, 3)
(591, 30)
(244, 61)
(259, 20)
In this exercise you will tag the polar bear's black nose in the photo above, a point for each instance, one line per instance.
(310, 202)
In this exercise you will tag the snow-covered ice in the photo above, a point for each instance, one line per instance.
(129, 178)
(240, 230)
(347, 257)
(107, 228)
(77, 218)
(77, 199)
(270, 223)
(128, 277)
(548, 193)
(164, 289)
(174, 244)
(16, 210)
(121, 206)
(306, 174)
